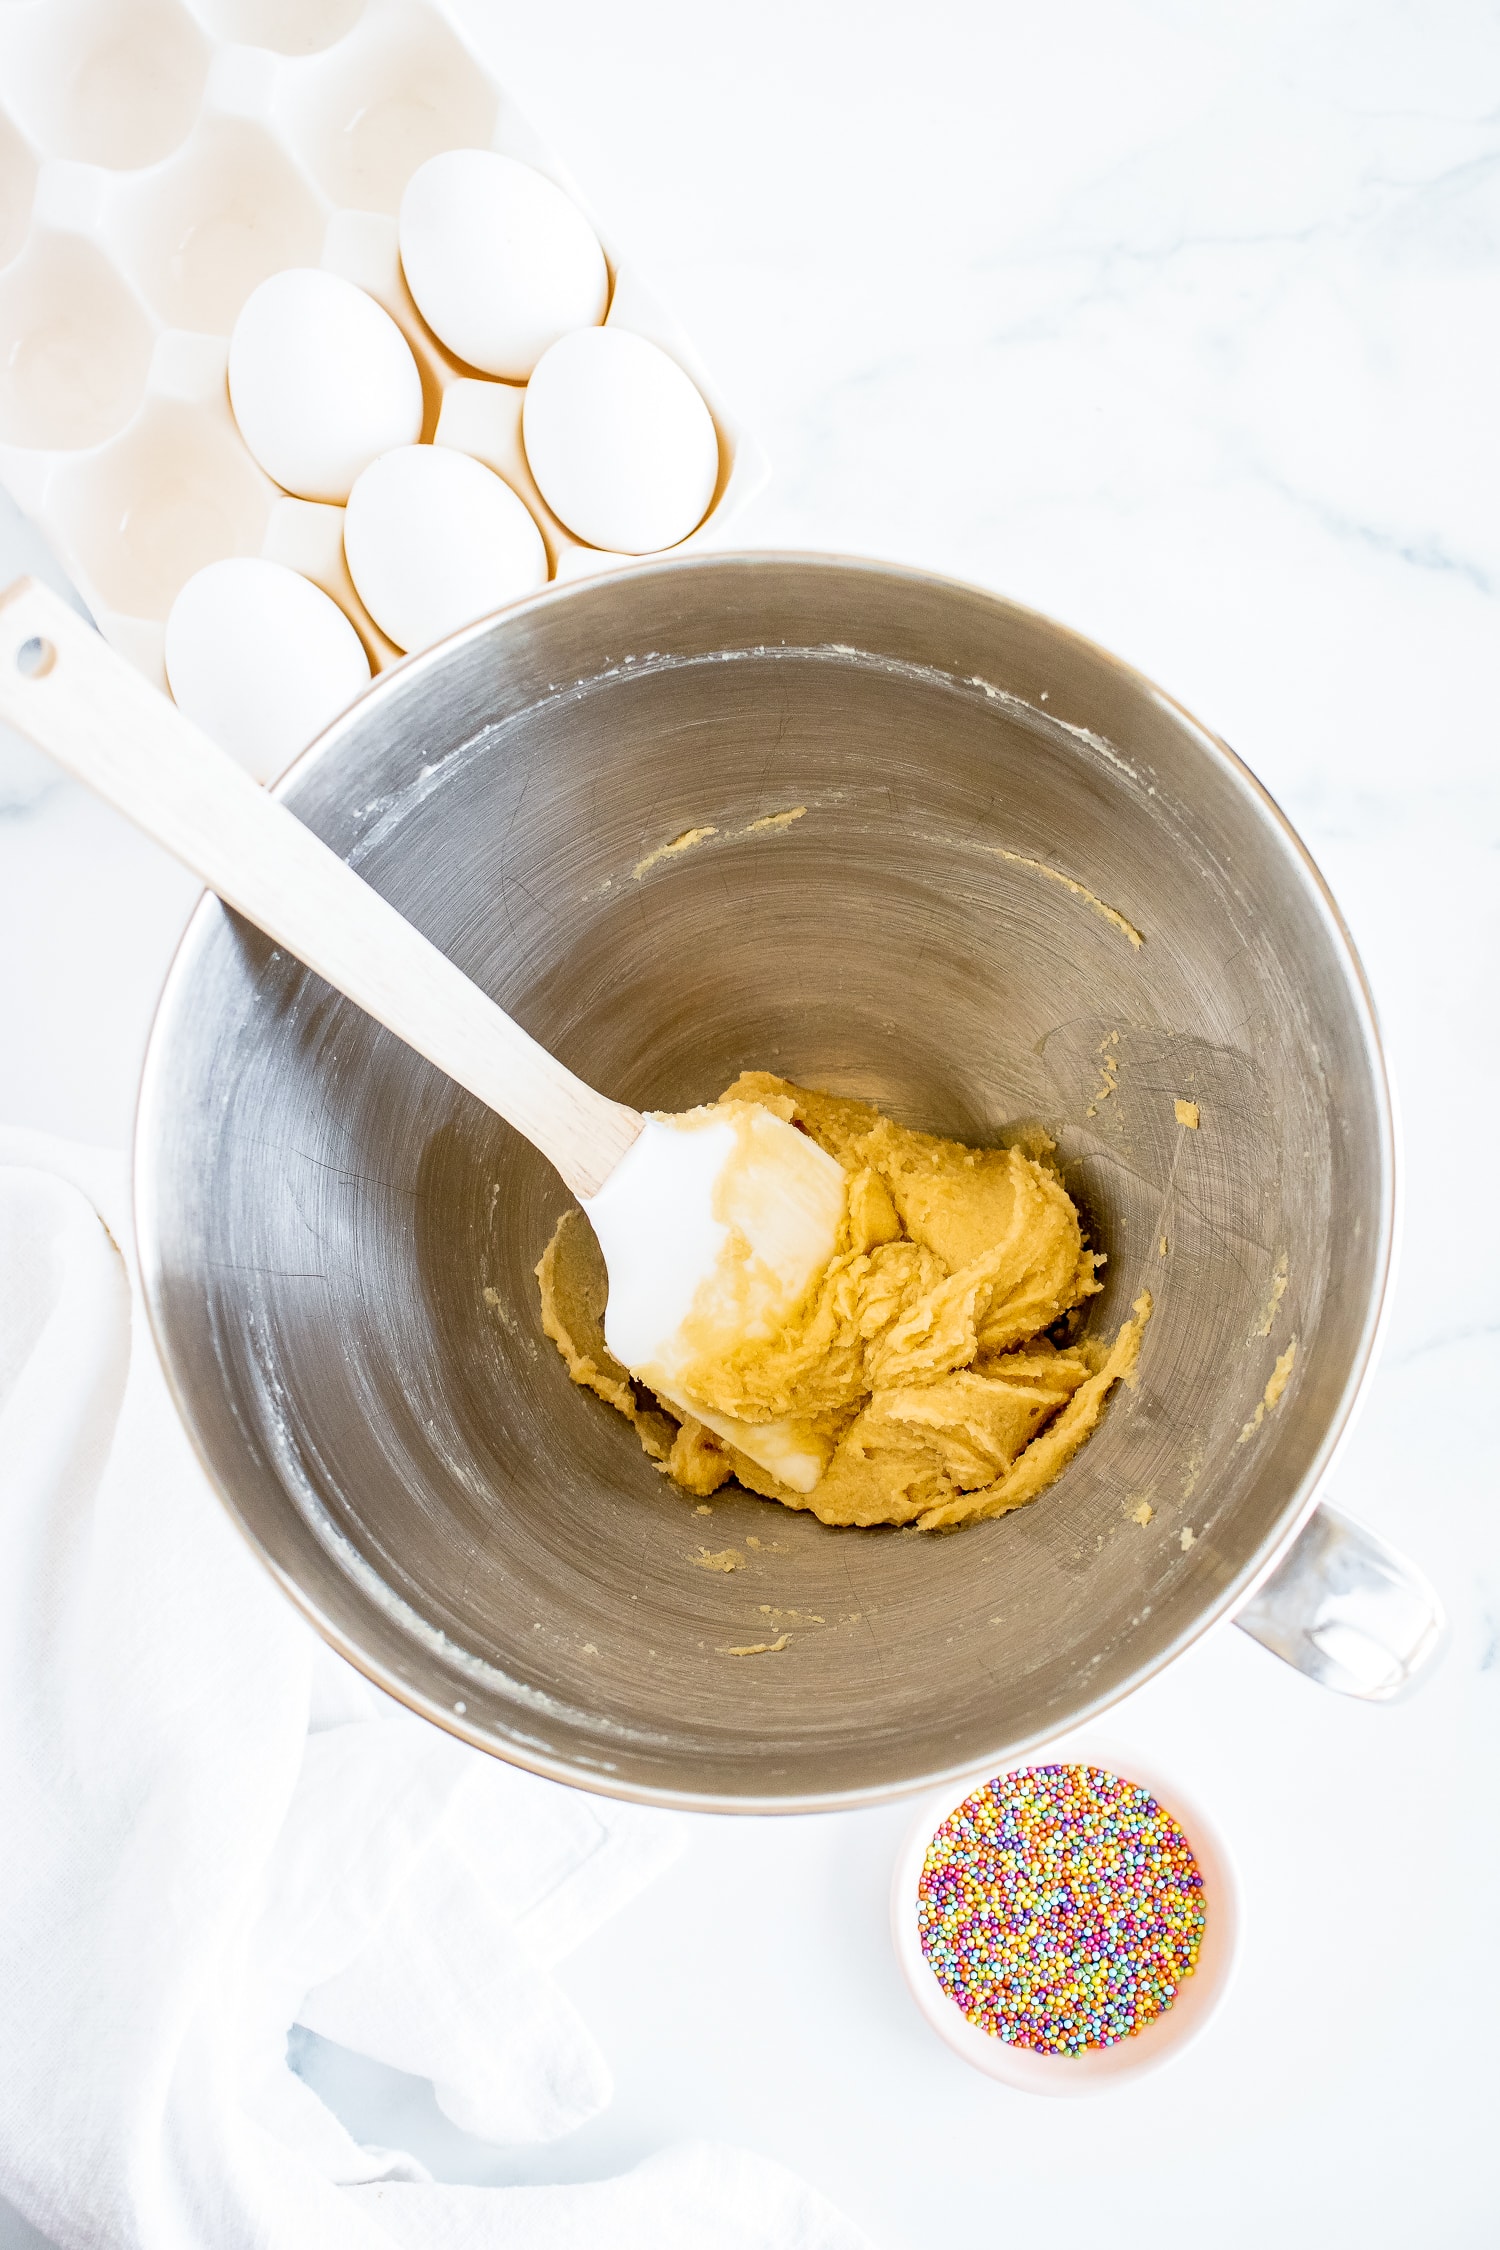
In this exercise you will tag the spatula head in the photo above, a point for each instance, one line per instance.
(714, 1225)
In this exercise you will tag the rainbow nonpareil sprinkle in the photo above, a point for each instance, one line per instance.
(1060, 1907)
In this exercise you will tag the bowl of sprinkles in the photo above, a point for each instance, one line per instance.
(1066, 1922)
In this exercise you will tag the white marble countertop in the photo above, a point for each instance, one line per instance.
(1179, 322)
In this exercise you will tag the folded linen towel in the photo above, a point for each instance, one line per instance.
(211, 1828)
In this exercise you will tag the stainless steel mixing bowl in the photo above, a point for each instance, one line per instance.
(1013, 860)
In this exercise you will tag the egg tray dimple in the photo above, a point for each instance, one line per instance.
(158, 160)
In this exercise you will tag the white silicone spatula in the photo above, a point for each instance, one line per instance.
(713, 1223)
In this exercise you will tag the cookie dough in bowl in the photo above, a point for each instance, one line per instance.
(936, 1369)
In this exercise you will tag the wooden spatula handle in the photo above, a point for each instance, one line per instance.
(73, 697)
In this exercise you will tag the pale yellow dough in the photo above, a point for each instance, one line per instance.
(922, 1363)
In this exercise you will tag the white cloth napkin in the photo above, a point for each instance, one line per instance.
(211, 1829)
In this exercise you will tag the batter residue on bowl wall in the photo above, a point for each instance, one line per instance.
(935, 1361)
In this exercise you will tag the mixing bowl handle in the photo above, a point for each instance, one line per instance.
(1347, 1610)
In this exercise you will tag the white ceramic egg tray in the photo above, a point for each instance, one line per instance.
(157, 162)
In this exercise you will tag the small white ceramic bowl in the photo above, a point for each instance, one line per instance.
(1098, 2067)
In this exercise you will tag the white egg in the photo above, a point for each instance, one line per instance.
(434, 539)
(321, 380)
(622, 447)
(261, 659)
(500, 262)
